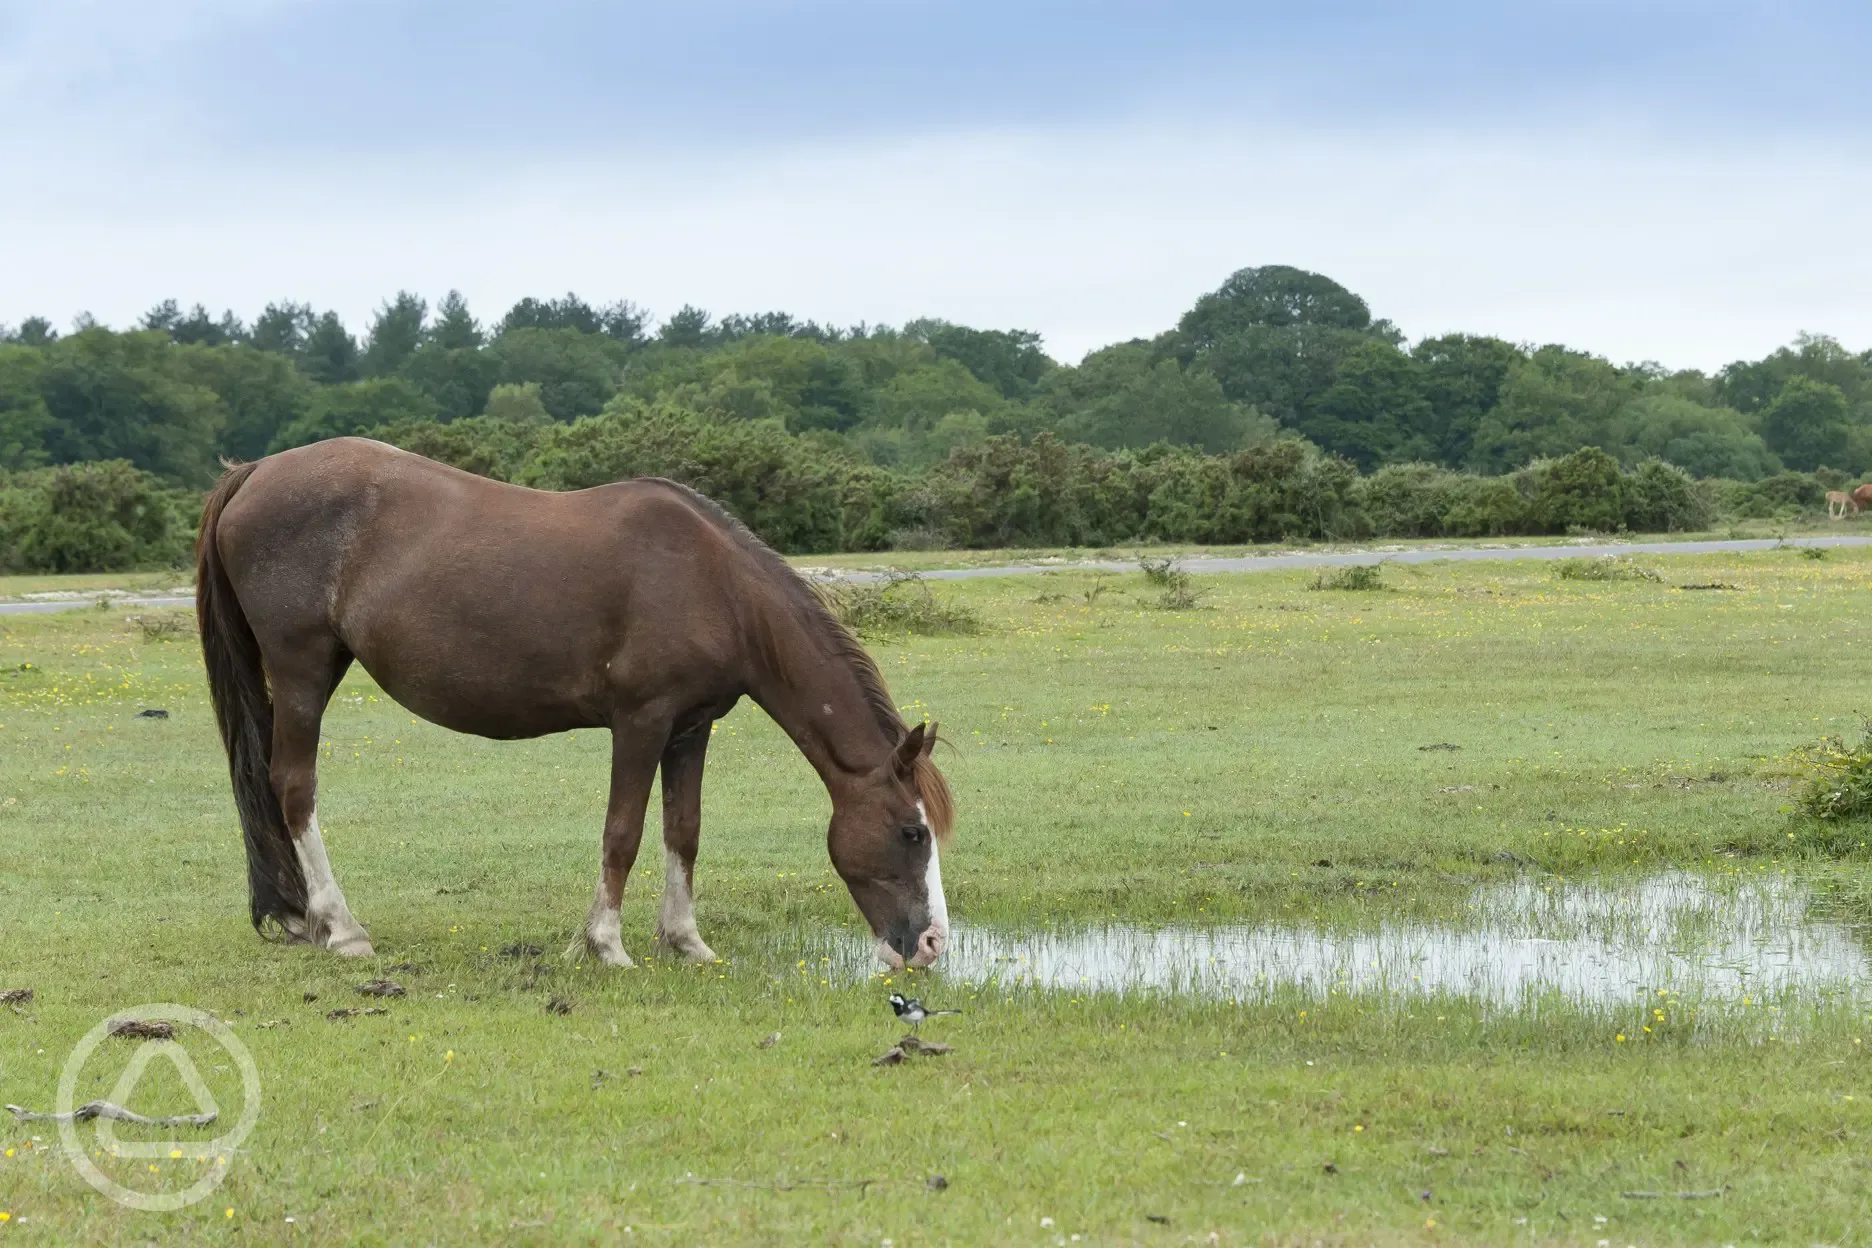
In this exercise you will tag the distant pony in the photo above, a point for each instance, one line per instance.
(1861, 497)
(1839, 500)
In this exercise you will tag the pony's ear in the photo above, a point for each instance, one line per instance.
(909, 750)
(929, 740)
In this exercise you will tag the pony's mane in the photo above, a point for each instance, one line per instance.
(837, 642)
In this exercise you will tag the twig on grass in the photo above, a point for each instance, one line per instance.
(1712, 1193)
(828, 1186)
(117, 1113)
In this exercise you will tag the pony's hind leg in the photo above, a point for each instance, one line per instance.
(682, 829)
(299, 700)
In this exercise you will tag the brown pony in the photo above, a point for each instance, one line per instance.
(641, 607)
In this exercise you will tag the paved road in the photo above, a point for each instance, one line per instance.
(1203, 565)
(1326, 559)
(71, 604)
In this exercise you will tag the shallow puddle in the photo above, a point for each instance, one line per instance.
(1589, 944)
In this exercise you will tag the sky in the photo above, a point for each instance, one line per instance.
(1688, 183)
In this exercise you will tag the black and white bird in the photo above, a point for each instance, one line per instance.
(913, 1011)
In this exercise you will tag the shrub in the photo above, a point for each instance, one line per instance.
(1357, 576)
(1409, 500)
(1486, 507)
(1606, 568)
(1660, 498)
(1836, 796)
(483, 445)
(1179, 591)
(899, 603)
(1584, 490)
(96, 517)
(795, 496)
(1784, 494)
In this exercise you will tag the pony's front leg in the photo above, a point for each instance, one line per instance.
(682, 830)
(634, 755)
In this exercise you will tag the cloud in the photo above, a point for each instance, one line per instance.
(1690, 256)
(1647, 179)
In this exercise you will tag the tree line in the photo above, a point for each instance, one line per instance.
(868, 436)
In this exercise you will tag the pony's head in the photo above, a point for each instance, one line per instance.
(883, 839)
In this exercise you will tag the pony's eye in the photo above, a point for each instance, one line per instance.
(915, 833)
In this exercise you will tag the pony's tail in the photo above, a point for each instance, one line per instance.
(237, 684)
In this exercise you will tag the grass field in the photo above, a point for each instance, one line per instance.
(1255, 760)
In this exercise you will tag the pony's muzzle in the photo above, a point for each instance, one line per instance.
(929, 945)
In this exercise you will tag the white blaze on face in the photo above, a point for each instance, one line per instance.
(932, 880)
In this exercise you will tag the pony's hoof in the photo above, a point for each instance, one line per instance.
(358, 946)
(688, 950)
(582, 948)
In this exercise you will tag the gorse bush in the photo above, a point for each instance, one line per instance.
(96, 517)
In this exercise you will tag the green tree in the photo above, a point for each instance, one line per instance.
(1274, 296)
(1275, 336)
(356, 407)
(260, 392)
(688, 327)
(163, 318)
(622, 321)
(918, 398)
(1552, 403)
(1704, 441)
(395, 333)
(518, 405)
(200, 329)
(1120, 398)
(35, 331)
(455, 328)
(1010, 360)
(125, 396)
(1375, 411)
(1806, 424)
(330, 354)
(284, 328)
(575, 371)
(1462, 377)
(456, 379)
(24, 421)
(1750, 386)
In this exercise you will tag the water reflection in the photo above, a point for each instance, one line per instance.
(1590, 944)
